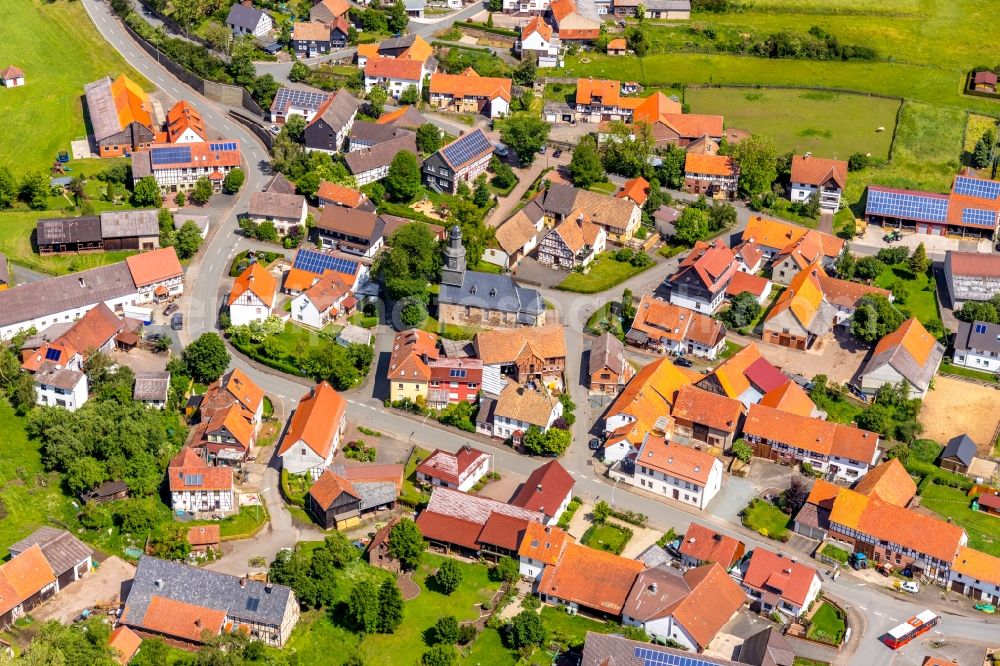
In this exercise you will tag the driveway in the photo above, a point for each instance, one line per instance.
(736, 493)
(839, 356)
(100, 587)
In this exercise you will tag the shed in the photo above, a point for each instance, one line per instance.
(958, 454)
(106, 492)
(354, 335)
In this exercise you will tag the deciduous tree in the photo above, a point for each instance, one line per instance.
(585, 167)
(233, 181)
(202, 191)
(406, 543)
(525, 134)
(758, 161)
(403, 180)
(428, 138)
(448, 577)
(206, 358)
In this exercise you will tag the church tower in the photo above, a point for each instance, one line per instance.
(453, 272)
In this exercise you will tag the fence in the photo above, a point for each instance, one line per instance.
(254, 126)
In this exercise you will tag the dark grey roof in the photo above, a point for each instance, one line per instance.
(47, 335)
(373, 133)
(54, 230)
(129, 223)
(379, 155)
(151, 386)
(339, 110)
(607, 352)
(655, 590)
(62, 550)
(280, 185)
(903, 362)
(654, 556)
(277, 205)
(201, 587)
(4, 269)
(612, 650)
(767, 648)
(487, 409)
(67, 292)
(979, 336)
(411, 118)
(50, 374)
(101, 109)
(107, 489)
(494, 292)
(961, 448)
(668, 5)
(457, 348)
(244, 17)
(558, 199)
(375, 493)
(394, 43)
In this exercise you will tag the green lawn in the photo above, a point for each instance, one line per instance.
(728, 350)
(59, 50)
(916, 293)
(836, 553)
(606, 537)
(827, 626)
(410, 495)
(925, 450)
(488, 649)
(571, 630)
(405, 646)
(766, 519)
(983, 529)
(249, 519)
(803, 661)
(838, 407)
(604, 188)
(948, 369)
(604, 273)
(449, 331)
(828, 124)
(602, 320)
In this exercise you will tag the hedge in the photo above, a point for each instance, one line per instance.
(930, 473)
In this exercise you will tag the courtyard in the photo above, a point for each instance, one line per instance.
(956, 407)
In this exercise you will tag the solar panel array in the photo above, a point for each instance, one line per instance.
(978, 217)
(466, 148)
(300, 99)
(975, 187)
(52, 354)
(317, 262)
(907, 205)
(172, 155)
(223, 147)
(193, 479)
(980, 328)
(654, 657)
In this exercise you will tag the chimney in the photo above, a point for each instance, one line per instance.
(158, 583)
(539, 487)
(83, 283)
(268, 587)
(197, 621)
(652, 587)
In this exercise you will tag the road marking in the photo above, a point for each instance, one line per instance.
(876, 613)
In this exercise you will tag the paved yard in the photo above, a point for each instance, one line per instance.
(955, 407)
(141, 360)
(503, 489)
(839, 357)
(736, 493)
(103, 586)
(530, 271)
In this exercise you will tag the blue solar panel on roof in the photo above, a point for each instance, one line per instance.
(301, 99)
(907, 205)
(52, 354)
(976, 187)
(223, 147)
(464, 149)
(978, 217)
(980, 328)
(654, 657)
(172, 155)
(317, 262)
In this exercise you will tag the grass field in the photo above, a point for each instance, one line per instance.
(571, 629)
(827, 626)
(604, 273)
(983, 529)
(606, 537)
(827, 124)
(766, 519)
(916, 293)
(59, 50)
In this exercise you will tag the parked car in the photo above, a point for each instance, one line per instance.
(541, 151)
(170, 309)
(595, 443)
(910, 586)
(557, 153)
(275, 129)
(156, 337)
(500, 149)
(177, 322)
(683, 362)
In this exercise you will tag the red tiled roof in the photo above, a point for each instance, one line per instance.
(809, 434)
(710, 409)
(975, 264)
(682, 462)
(713, 600)
(204, 535)
(188, 471)
(714, 264)
(392, 68)
(451, 467)
(609, 92)
(124, 643)
(790, 398)
(24, 576)
(344, 196)
(712, 165)
(818, 170)
(543, 543)
(777, 573)
(707, 545)
(316, 421)
(448, 529)
(329, 487)
(636, 189)
(183, 117)
(470, 84)
(503, 531)
(748, 282)
(592, 578)
(156, 266)
(545, 489)
(538, 25)
(889, 482)
(258, 281)
(180, 620)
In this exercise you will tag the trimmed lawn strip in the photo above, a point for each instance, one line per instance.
(920, 296)
(488, 649)
(571, 629)
(803, 661)
(960, 370)
(761, 515)
(983, 529)
(827, 626)
(604, 536)
(838, 407)
(410, 496)
(728, 350)
(835, 553)
(604, 273)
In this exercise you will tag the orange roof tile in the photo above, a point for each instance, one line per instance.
(809, 434)
(408, 349)
(889, 482)
(336, 7)
(328, 290)
(845, 292)
(711, 409)
(311, 31)
(693, 125)
(636, 189)
(419, 50)
(977, 564)
(803, 297)
(712, 165)
(316, 421)
(561, 9)
(731, 373)
(779, 235)
(654, 107)
(714, 599)
(706, 545)
(329, 487)
(649, 396)
(823, 493)
(818, 170)
(32, 360)
(340, 194)
(188, 471)
(568, 34)
(791, 398)
(617, 45)
(781, 574)
(24, 576)
(913, 337)
(538, 25)
(470, 84)
(748, 282)
(542, 543)
(665, 321)
(609, 92)
(368, 50)
(183, 117)
(204, 535)
(156, 266)
(180, 620)
(125, 643)
(392, 68)
(258, 281)
(505, 345)
(131, 102)
(593, 578)
(676, 460)
(297, 279)
(246, 392)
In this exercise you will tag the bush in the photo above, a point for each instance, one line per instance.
(445, 631)
(448, 577)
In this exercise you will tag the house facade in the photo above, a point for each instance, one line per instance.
(252, 296)
(705, 417)
(573, 243)
(673, 329)
(977, 575)
(909, 354)
(176, 168)
(319, 304)
(460, 470)
(608, 368)
(977, 346)
(824, 178)
(470, 93)
(284, 211)
(461, 160)
(353, 230)
(971, 276)
(712, 175)
(677, 472)
(314, 432)
(310, 39)
(328, 130)
(245, 19)
(516, 409)
(702, 277)
(121, 116)
(395, 75)
(538, 41)
(776, 582)
(198, 488)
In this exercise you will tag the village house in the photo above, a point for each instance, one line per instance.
(601, 100)
(366, 135)
(958, 454)
(407, 47)
(706, 417)
(372, 164)
(378, 553)
(198, 488)
(985, 81)
(536, 354)
(824, 178)
(714, 176)
(124, 644)
(635, 190)
(970, 210)
(812, 250)
(185, 124)
(516, 409)
(314, 432)
(776, 582)
(793, 399)
(971, 276)
(245, 19)
(590, 581)
(675, 471)
(619, 217)
(642, 407)
(284, 211)
(522, 7)
(909, 354)
(976, 574)
(108, 231)
(575, 21)
(351, 230)
(252, 296)
(689, 608)
(475, 526)
(773, 237)
(888, 482)
(469, 92)
(471, 298)
(320, 304)
(672, 329)
(295, 102)
(121, 115)
(310, 39)
(395, 75)
(617, 47)
(205, 538)
(460, 470)
(548, 490)
(746, 376)
(541, 546)
(176, 168)
(344, 495)
(800, 315)
(333, 194)
(608, 368)
(418, 370)
(516, 238)
(538, 41)
(69, 558)
(701, 545)
(572, 243)
(179, 603)
(755, 285)
(605, 649)
(406, 117)
(977, 346)
(842, 451)
(152, 388)
(328, 11)
(327, 131)
(230, 414)
(702, 277)
(12, 77)
(750, 255)
(461, 160)
(28, 580)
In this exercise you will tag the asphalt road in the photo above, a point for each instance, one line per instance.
(207, 283)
